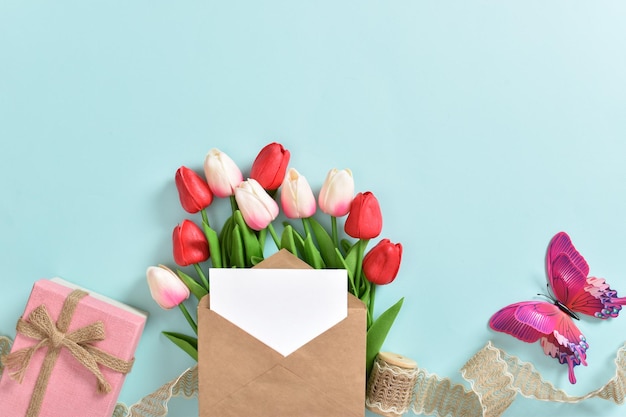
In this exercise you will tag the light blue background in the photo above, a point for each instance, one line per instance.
(483, 128)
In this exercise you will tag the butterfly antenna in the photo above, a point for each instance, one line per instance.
(550, 292)
(549, 295)
(546, 296)
(561, 306)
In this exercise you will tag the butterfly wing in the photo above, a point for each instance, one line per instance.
(568, 276)
(561, 243)
(567, 344)
(530, 321)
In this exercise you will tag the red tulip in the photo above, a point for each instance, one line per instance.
(190, 244)
(270, 166)
(193, 190)
(365, 220)
(382, 262)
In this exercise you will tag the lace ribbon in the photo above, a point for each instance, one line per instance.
(155, 404)
(495, 378)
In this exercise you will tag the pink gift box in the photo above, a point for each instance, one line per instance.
(72, 390)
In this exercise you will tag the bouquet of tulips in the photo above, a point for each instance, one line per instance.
(241, 241)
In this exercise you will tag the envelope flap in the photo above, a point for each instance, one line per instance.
(335, 360)
(354, 303)
(228, 356)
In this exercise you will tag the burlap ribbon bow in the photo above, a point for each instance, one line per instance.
(54, 336)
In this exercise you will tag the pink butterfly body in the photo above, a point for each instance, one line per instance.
(551, 323)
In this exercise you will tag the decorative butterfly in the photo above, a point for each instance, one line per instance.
(551, 322)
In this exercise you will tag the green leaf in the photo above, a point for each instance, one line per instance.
(345, 245)
(325, 244)
(255, 260)
(311, 254)
(377, 333)
(298, 239)
(250, 241)
(353, 290)
(262, 237)
(214, 245)
(351, 260)
(196, 289)
(287, 241)
(187, 343)
(226, 241)
(237, 257)
(364, 292)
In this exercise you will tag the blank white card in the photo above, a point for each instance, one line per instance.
(283, 308)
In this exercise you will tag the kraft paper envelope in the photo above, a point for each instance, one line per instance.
(241, 376)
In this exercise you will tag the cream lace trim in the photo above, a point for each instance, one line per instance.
(155, 404)
(495, 378)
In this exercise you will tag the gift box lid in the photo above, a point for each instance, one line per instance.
(72, 389)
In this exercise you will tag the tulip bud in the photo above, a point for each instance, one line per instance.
(193, 190)
(337, 192)
(221, 172)
(190, 244)
(365, 220)
(165, 287)
(296, 196)
(270, 166)
(257, 207)
(382, 262)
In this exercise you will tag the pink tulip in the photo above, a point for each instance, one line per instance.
(296, 196)
(257, 207)
(165, 287)
(222, 174)
(337, 193)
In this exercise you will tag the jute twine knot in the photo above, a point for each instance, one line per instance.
(55, 336)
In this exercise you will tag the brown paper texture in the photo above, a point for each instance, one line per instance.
(241, 376)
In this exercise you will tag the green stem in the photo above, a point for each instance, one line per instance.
(270, 227)
(213, 241)
(307, 227)
(205, 281)
(190, 320)
(262, 236)
(364, 293)
(233, 203)
(333, 224)
(370, 307)
(205, 218)
(355, 291)
(359, 262)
